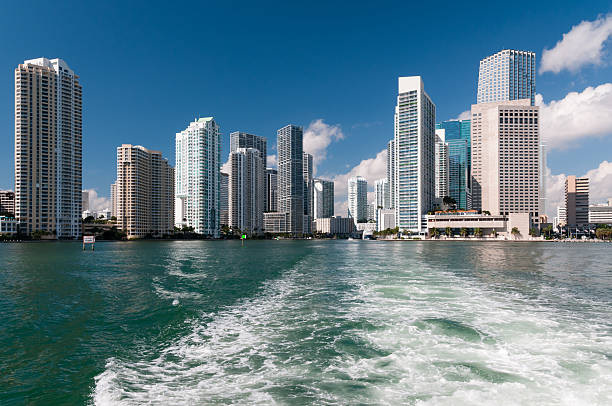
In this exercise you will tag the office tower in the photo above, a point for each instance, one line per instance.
(7, 202)
(358, 199)
(372, 209)
(562, 215)
(85, 204)
(291, 177)
(307, 164)
(391, 172)
(507, 75)
(144, 192)
(246, 191)
(113, 199)
(197, 184)
(577, 201)
(415, 116)
(505, 158)
(601, 213)
(457, 137)
(239, 139)
(271, 189)
(442, 181)
(382, 194)
(224, 199)
(48, 147)
(323, 198)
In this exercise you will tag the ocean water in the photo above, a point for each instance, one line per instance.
(306, 322)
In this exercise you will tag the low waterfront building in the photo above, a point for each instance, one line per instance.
(8, 225)
(489, 225)
(385, 219)
(601, 213)
(276, 223)
(339, 226)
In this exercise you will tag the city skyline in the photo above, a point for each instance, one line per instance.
(345, 146)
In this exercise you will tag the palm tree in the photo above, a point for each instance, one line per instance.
(435, 232)
(478, 232)
(449, 232)
(515, 232)
(463, 232)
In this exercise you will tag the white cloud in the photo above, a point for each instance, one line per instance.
(464, 116)
(582, 45)
(272, 161)
(96, 202)
(225, 168)
(372, 169)
(576, 116)
(600, 187)
(317, 138)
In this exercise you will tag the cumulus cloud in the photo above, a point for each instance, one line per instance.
(576, 116)
(371, 169)
(317, 138)
(96, 202)
(464, 116)
(600, 187)
(272, 161)
(225, 168)
(582, 45)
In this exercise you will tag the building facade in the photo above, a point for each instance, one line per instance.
(457, 135)
(441, 166)
(382, 194)
(48, 147)
(505, 158)
(144, 192)
(358, 199)
(276, 223)
(577, 201)
(415, 116)
(308, 170)
(507, 75)
(271, 189)
(197, 183)
(338, 226)
(7, 202)
(391, 172)
(385, 219)
(601, 213)
(291, 177)
(247, 190)
(323, 198)
(224, 199)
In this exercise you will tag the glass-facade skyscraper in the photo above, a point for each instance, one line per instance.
(457, 137)
(507, 75)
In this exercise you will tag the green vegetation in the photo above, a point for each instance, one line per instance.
(387, 232)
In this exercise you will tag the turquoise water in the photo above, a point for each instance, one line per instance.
(306, 322)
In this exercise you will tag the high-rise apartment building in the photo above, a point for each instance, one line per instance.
(506, 158)
(271, 190)
(577, 201)
(113, 199)
(382, 194)
(457, 135)
(48, 147)
(323, 198)
(308, 170)
(247, 190)
(507, 75)
(197, 184)
(224, 199)
(442, 180)
(7, 202)
(358, 199)
(391, 172)
(415, 122)
(291, 177)
(85, 195)
(144, 192)
(239, 139)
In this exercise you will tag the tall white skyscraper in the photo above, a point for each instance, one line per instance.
(48, 147)
(308, 170)
(239, 139)
(382, 194)
(144, 192)
(442, 165)
(198, 150)
(391, 172)
(224, 199)
(507, 75)
(506, 158)
(247, 190)
(323, 198)
(415, 116)
(291, 177)
(358, 199)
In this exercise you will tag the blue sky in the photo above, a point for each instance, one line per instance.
(148, 68)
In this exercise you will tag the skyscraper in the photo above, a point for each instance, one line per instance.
(85, 195)
(457, 135)
(198, 151)
(391, 172)
(577, 201)
(113, 199)
(247, 190)
(291, 177)
(507, 75)
(224, 199)
(382, 194)
(323, 206)
(48, 147)
(505, 158)
(7, 202)
(308, 192)
(144, 192)
(358, 199)
(442, 180)
(415, 116)
(239, 139)
(271, 189)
